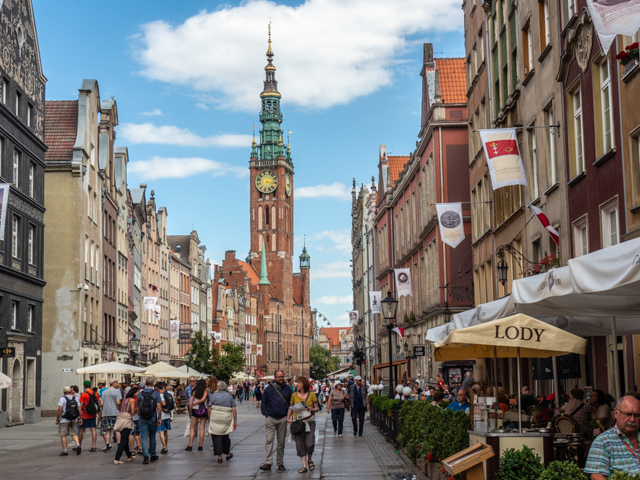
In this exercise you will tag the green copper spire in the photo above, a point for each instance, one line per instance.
(248, 259)
(305, 258)
(264, 280)
(271, 146)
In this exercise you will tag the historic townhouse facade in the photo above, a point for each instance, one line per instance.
(180, 287)
(125, 326)
(22, 165)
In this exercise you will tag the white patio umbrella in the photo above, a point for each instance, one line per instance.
(192, 371)
(110, 367)
(175, 373)
(5, 382)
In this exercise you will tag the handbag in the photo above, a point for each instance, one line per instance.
(200, 410)
(296, 427)
(347, 404)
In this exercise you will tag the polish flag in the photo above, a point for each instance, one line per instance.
(399, 331)
(545, 222)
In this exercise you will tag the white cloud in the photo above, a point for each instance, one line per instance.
(334, 300)
(341, 240)
(338, 269)
(157, 168)
(328, 52)
(156, 112)
(135, 133)
(335, 190)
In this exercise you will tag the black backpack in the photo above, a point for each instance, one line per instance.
(93, 405)
(71, 411)
(169, 403)
(146, 406)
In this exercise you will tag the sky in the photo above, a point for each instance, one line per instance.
(187, 77)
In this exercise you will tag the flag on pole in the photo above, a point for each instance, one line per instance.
(399, 331)
(503, 157)
(555, 236)
(247, 347)
(450, 221)
(403, 281)
(376, 302)
(259, 350)
(353, 317)
(149, 302)
(614, 17)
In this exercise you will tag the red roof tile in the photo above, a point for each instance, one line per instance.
(251, 273)
(396, 164)
(453, 79)
(60, 129)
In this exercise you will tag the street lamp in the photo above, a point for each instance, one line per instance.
(134, 346)
(389, 307)
(502, 268)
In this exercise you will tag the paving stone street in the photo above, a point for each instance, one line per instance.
(31, 451)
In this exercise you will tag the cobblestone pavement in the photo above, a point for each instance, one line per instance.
(31, 452)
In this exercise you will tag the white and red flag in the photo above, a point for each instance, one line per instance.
(403, 281)
(503, 157)
(555, 236)
(399, 331)
(614, 17)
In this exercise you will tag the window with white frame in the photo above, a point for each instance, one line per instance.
(5, 90)
(551, 141)
(31, 246)
(29, 115)
(534, 164)
(609, 224)
(30, 387)
(16, 167)
(18, 102)
(571, 7)
(14, 315)
(31, 179)
(580, 237)
(546, 22)
(31, 316)
(605, 102)
(15, 230)
(577, 125)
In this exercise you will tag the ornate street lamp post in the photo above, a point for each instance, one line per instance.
(134, 346)
(389, 308)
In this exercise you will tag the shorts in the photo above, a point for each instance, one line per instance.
(67, 429)
(88, 423)
(165, 425)
(107, 423)
(136, 428)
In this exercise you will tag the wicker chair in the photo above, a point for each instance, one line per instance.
(565, 424)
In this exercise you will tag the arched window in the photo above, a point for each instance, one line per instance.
(273, 216)
(266, 216)
(273, 242)
(260, 218)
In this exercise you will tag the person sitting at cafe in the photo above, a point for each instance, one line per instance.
(580, 411)
(600, 411)
(503, 401)
(437, 398)
(617, 449)
(461, 403)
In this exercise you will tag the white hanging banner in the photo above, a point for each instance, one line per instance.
(217, 337)
(344, 344)
(450, 221)
(353, 317)
(174, 328)
(614, 17)
(403, 281)
(149, 302)
(157, 309)
(503, 157)
(376, 302)
(247, 347)
(259, 349)
(4, 201)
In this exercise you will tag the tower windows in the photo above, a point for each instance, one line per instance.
(266, 216)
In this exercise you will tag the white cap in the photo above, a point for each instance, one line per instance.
(358, 378)
(338, 383)
(368, 383)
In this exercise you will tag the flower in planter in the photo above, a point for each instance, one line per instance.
(430, 457)
(629, 54)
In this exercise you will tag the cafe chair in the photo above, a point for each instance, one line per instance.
(565, 424)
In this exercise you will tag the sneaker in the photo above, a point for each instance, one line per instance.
(199, 449)
(281, 468)
(359, 434)
(106, 449)
(335, 433)
(340, 435)
(154, 458)
(266, 467)
(64, 453)
(78, 450)
(188, 449)
(146, 460)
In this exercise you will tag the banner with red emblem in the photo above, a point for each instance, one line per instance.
(503, 157)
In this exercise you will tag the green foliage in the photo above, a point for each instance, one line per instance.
(233, 360)
(520, 465)
(201, 355)
(406, 318)
(624, 476)
(385, 404)
(322, 362)
(566, 470)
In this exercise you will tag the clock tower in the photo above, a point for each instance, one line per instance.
(271, 202)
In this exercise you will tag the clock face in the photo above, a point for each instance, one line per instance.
(287, 185)
(266, 181)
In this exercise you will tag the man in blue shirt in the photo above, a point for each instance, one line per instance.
(461, 404)
(275, 405)
(149, 426)
(358, 392)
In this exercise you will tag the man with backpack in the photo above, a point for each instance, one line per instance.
(168, 405)
(150, 412)
(67, 419)
(111, 398)
(89, 411)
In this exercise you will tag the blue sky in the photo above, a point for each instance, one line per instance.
(187, 76)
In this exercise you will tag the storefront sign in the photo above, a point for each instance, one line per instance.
(418, 350)
(7, 352)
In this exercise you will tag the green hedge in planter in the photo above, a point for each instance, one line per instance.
(566, 470)
(385, 404)
(520, 465)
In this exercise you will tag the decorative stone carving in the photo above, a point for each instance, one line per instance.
(578, 45)
(25, 207)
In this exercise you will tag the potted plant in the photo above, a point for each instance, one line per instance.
(566, 470)
(623, 476)
(629, 54)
